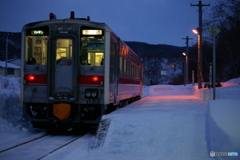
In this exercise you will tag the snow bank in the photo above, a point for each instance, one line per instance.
(223, 127)
(9, 98)
(229, 90)
(145, 91)
(163, 90)
(9, 83)
(10, 104)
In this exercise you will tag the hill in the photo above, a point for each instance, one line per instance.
(14, 45)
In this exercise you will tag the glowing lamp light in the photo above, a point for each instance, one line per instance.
(31, 77)
(184, 54)
(95, 78)
(196, 31)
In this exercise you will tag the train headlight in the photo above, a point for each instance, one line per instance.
(91, 93)
(88, 94)
(64, 28)
(69, 28)
(94, 93)
(60, 28)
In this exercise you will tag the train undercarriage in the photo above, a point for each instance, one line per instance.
(69, 116)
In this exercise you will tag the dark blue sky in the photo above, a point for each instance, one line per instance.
(150, 21)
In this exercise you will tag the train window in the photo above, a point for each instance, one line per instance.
(128, 68)
(36, 45)
(121, 64)
(134, 70)
(95, 58)
(64, 52)
(36, 50)
(125, 66)
(92, 50)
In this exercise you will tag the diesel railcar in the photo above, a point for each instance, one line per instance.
(74, 71)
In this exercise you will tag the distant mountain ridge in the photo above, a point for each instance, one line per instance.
(155, 50)
(14, 45)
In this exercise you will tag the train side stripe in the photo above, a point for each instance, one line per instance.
(129, 81)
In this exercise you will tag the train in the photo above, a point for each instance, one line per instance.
(74, 71)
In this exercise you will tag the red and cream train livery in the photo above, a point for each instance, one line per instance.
(74, 70)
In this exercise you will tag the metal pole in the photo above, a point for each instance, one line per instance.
(200, 45)
(186, 72)
(210, 75)
(192, 78)
(187, 61)
(6, 71)
(214, 69)
(214, 30)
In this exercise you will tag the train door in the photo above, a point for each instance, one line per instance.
(63, 75)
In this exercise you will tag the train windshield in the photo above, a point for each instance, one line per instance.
(64, 52)
(92, 48)
(36, 46)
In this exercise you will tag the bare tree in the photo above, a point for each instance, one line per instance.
(226, 16)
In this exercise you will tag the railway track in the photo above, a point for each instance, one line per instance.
(38, 148)
(23, 143)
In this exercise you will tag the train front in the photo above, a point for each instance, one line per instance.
(63, 72)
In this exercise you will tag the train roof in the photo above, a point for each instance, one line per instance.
(72, 19)
(76, 20)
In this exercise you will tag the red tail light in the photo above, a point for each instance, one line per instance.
(90, 80)
(31, 77)
(95, 78)
(35, 79)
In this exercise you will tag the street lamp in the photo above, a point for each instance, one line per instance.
(195, 31)
(186, 68)
(199, 64)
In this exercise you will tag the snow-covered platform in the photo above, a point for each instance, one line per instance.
(223, 126)
(170, 122)
(160, 127)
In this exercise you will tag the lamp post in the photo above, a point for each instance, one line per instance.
(199, 64)
(186, 68)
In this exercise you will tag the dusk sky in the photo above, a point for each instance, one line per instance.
(150, 21)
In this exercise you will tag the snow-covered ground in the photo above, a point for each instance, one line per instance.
(170, 122)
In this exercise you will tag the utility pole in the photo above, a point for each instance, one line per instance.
(187, 59)
(200, 5)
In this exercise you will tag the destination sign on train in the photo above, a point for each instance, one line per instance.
(92, 32)
(37, 32)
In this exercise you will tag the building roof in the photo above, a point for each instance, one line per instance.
(9, 65)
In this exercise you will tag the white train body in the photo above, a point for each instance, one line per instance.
(73, 70)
